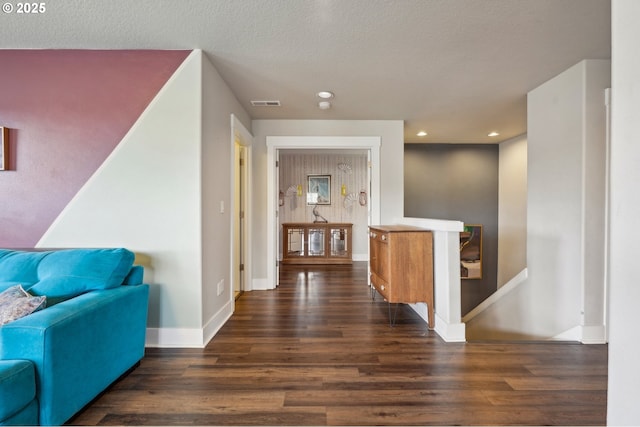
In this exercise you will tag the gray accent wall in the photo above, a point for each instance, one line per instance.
(457, 182)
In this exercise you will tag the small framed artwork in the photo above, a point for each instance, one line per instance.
(471, 252)
(319, 190)
(4, 148)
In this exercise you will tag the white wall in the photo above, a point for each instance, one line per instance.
(597, 76)
(554, 211)
(391, 168)
(218, 102)
(159, 195)
(565, 211)
(512, 208)
(145, 197)
(624, 345)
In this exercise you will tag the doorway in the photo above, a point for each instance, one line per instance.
(241, 222)
(344, 176)
(371, 145)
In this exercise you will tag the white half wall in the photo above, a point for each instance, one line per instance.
(446, 277)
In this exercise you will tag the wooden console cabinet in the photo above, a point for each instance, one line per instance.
(401, 262)
(316, 243)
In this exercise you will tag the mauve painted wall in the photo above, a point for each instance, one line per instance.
(67, 110)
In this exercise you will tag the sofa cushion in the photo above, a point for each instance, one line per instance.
(71, 272)
(15, 303)
(20, 267)
(6, 285)
(17, 386)
(135, 276)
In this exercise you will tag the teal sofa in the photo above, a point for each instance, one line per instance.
(56, 360)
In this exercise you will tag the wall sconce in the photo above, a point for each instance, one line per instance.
(4, 149)
(299, 190)
(362, 198)
(343, 190)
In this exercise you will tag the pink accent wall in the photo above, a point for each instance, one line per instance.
(67, 110)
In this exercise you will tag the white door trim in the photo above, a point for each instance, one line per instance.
(243, 136)
(275, 143)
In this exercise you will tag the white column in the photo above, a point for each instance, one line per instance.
(446, 276)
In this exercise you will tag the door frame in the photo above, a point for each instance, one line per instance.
(241, 136)
(276, 143)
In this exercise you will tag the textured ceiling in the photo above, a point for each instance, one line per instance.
(455, 68)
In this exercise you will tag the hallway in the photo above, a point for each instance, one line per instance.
(318, 351)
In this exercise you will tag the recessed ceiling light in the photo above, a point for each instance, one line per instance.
(324, 105)
(421, 133)
(325, 94)
(493, 134)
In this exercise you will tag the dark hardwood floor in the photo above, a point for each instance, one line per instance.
(318, 351)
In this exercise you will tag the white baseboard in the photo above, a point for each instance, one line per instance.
(260, 285)
(497, 295)
(174, 337)
(189, 337)
(585, 334)
(594, 334)
(573, 334)
(450, 332)
(217, 321)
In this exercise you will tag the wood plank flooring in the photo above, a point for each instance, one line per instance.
(318, 351)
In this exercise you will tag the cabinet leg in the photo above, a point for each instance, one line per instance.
(431, 316)
(392, 320)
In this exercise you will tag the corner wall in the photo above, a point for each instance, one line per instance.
(158, 193)
(218, 102)
(146, 197)
(624, 346)
(563, 296)
(512, 209)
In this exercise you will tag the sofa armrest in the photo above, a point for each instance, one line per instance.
(79, 347)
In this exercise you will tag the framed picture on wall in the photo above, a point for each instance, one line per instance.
(471, 252)
(318, 189)
(4, 148)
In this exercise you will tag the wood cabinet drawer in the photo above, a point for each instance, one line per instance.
(379, 236)
(379, 254)
(381, 286)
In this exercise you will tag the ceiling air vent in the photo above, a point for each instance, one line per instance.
(265, 103)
